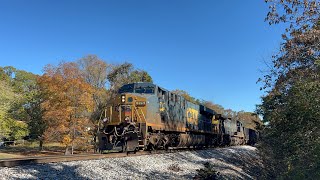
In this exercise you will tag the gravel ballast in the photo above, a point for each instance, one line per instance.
(239, 162)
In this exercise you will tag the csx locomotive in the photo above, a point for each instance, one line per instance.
(144, 116)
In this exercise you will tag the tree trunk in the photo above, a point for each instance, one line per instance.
(72, 148)
(95, 143)
(40, 143)
(67, 151)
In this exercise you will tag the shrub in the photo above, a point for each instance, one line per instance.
(207, 172)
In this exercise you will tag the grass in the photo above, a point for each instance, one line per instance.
(35, 144)
(31, 148)
(7, 155)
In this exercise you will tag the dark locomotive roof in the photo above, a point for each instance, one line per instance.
(150, 88)
(204, 109)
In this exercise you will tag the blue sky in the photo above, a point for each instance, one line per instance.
(212, 49)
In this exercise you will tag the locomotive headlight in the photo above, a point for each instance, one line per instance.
(123, 98)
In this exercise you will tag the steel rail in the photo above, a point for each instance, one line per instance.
(11, 162)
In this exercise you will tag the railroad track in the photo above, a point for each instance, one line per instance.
(78, 157)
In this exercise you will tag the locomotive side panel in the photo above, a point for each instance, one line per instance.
(192, 115)
(205, 119)
(166, 114)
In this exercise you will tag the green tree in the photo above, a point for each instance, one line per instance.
(7, 97)
(32, 107)
(18, 129)
(12, 115)
(124, 74)
(25, 110)
(25, 84)
(290, 108)
(140, 76)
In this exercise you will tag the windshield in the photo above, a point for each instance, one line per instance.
(126, 89)
(144, 89)
(137, 88)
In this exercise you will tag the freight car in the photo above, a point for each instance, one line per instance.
(144, 116)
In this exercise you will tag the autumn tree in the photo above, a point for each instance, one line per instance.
(249, 119)
(67, 103)
(290, 108)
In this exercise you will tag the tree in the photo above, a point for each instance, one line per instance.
(25, 111)
(119, 75)
(7, 97)
(25, 84)
(140, 76)
(300, 15)
(229, 113)
(13, 117)
(216, 107)
(36, 123)
(67, 103)
(94, 69)
(292, 131)
(249, 119)
(124, 74)
(95, 73)
(290, 108)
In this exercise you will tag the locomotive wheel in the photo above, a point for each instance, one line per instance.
(124, 148)
(150, 147)
(131, 141)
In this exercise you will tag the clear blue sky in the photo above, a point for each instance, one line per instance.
(212, 49)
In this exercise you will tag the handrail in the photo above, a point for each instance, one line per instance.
(135, 108)
(137, 112)
(144, 118)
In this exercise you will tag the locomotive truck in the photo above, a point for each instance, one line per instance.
(144, 116)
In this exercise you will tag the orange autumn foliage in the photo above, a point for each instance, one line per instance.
(67, 104)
